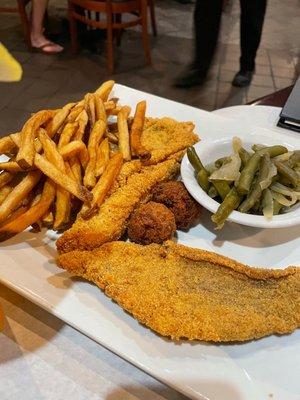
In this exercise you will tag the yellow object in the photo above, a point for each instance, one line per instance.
(10, 69)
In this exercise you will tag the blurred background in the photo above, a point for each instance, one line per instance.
(53, 80)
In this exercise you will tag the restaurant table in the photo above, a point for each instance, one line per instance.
(42, 358)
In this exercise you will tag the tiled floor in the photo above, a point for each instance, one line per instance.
(50, 81)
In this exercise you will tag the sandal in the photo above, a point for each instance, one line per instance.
(41, 49)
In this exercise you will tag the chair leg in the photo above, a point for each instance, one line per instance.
(73, 31)
(152, 16)
(145, 37)
(119, 31)
(110, 43)
(25, 23)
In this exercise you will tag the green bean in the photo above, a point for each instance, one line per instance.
(276, 207)
(222, 187)
(288, 173)
(212, 192)
(202, 179)
(247, 174)
(194, 159)
(295, 159)
(244, 156)
(256, 190)
(257, 147)
(274, 150)
(230, 203)
(221, 161)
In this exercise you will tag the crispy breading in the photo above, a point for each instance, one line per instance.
(163, 137)
(111, 221)
(181, 292)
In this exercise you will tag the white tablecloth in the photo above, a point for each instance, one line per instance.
(42, 358)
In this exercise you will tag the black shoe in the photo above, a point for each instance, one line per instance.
(191, 77)
(242, 78)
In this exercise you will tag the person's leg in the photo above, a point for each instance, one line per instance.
(38, 38)
(252, 19)
(251, 25)
(207, 18)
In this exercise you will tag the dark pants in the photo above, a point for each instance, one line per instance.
(207, 20)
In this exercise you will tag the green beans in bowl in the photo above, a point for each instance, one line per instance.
(253, 184)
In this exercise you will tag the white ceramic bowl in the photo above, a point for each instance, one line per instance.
(208, 151)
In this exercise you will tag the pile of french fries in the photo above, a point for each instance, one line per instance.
(65, 161)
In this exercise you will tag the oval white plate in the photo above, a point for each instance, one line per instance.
(211, 150)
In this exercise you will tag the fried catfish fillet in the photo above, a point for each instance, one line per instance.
(182, 292)
(110, 222)
(163, 137)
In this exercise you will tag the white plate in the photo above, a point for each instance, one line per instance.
(212, 149)
(249, 371)
(263, 116)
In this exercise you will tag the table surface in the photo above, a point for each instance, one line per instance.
(42, 358)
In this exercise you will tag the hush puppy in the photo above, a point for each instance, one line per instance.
(151, 223)
(174, 195)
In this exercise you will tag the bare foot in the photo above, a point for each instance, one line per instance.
(45, 45)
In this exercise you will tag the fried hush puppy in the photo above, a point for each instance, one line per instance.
(174, 195)
(151, 223)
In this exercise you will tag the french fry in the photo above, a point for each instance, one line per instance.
(19, 193)
(48, 219)
(25, 156)
(58, 120)
(114, 111)
(104, 90)
(104, 184)
(82, 120)
(62, 179)
(62, 203)
(126, 110)
(69, 130)
(6, 145)
(124, 135)
(96, 135)
(111, 137)
(90, 109)
(4, 192)
(50, 150)
(32, 215)
(62, 208)
(5, 178)
(15, 214)
(74, 113)
(75, 168)
(102, 157)
(100, 109)
(109, 105)
(16, 138)
(11, 166)
(77, 147)
(136, 131)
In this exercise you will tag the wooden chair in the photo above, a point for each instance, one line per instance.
(82, 10)
(21, 9)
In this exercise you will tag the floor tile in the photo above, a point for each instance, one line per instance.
(281, 83)
(255, 92)
(282, 72)
(262, 80)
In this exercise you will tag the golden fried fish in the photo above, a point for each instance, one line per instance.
(181, 292)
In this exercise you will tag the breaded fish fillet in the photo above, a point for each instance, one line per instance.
(163, 137)
(110, 222)
(181, 292)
